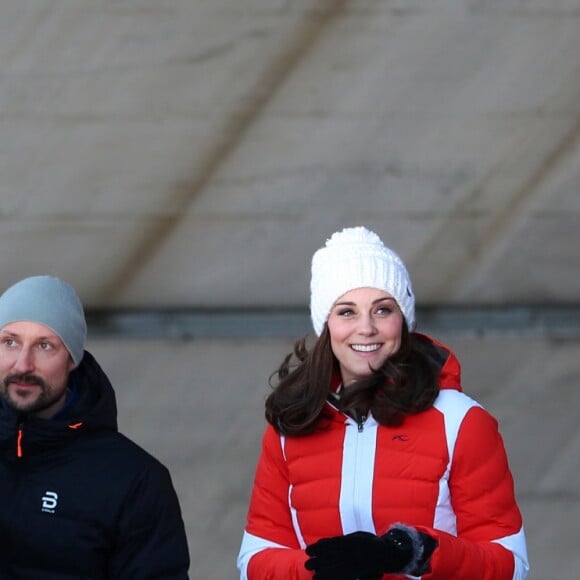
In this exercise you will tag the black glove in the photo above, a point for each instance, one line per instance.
(365, 556)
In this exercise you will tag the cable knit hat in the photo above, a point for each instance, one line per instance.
(357, 258)
(49, 301)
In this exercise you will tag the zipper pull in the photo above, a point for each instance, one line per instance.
(360, 420)
(19, 442)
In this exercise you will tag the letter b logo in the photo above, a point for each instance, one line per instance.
(49, 501)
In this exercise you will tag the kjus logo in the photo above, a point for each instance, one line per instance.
(49, 501)
(400, 438)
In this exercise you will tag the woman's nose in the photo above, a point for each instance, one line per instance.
(367, 325)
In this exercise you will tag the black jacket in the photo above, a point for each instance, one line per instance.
(80, 500)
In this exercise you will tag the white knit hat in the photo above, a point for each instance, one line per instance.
(51, 302)
(357, 258)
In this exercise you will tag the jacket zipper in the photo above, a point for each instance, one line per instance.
(360, 421)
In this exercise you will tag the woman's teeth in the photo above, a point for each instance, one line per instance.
(365, 347)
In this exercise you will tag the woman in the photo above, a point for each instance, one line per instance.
(374, 464)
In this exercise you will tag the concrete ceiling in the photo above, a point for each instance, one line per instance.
(163, 153)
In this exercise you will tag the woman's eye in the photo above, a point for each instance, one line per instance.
(345, 312)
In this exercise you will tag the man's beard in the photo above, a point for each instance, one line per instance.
(47, 396)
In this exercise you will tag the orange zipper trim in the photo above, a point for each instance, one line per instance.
(19, 443)
(19, 437)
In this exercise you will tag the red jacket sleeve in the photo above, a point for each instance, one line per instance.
(270, 548)
(490, 542)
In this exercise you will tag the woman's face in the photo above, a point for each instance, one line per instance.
(365, 327)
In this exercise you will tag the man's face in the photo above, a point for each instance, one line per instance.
(34, 368)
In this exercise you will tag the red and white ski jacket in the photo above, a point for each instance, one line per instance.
(443, 471)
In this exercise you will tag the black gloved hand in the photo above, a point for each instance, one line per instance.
(362, 555)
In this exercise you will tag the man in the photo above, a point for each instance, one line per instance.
(79, 499)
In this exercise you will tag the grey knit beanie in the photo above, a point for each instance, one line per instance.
(357, 258)
(51, 302)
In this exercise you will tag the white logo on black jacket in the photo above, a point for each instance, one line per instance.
(49, 501)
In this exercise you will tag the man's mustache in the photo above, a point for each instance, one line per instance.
(24, 378)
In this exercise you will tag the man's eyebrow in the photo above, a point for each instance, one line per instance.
(17, 335)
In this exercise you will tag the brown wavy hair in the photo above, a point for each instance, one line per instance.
(405, 384)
